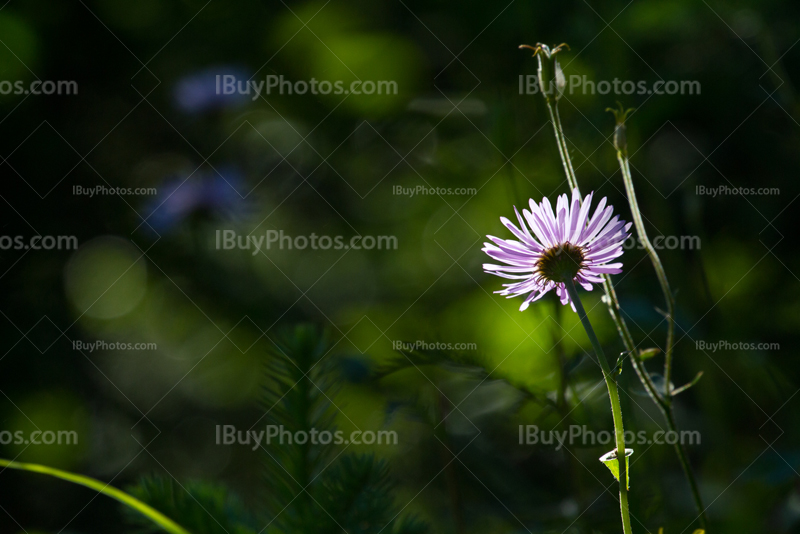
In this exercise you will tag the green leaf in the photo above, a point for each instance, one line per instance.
(687, 386)
(610, 461)
(646, 354)
(135, 504)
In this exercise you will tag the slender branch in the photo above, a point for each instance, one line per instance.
(665, 408)
(630, 345)
(616, 409)
(687, 469)
(608, 287)
(624, 164)
(566, 148)
(615, 311)
(663, 400)
(555, 120)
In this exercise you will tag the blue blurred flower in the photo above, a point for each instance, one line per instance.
(219, 194)
(203, 90)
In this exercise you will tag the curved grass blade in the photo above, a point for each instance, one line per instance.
(154, 515)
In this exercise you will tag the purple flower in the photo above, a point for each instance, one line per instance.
(565, 245)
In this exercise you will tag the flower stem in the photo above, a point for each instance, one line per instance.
(611, 295)
(622, 327)
(663, 400)
(616, 409)
(608, 287)
(622, 157)
(566, 148)
(687, 470)
(555, 120)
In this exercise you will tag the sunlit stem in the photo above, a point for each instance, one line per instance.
(652, 390)
(152, 514)
(630, 345)
(616, 409)
(555, 120)
(622, 157)
(560, 129)
(663, 400)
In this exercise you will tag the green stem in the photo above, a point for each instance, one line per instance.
(555, 120)
(566, 149)
(627, 339)
(616, 409)
(608, 287)
(652, 390)
(687, 471)
(624, 164)
(154, 515)
(611, 295)
(664, 401)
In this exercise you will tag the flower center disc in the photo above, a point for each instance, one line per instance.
(560, 263)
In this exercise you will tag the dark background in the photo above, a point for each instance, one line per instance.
(148, 272)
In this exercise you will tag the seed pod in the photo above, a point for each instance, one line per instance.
(552, 81)
(620, 138)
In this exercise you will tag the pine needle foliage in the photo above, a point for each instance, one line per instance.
(309, 487)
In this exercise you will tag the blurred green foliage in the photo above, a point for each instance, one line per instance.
(148, 270)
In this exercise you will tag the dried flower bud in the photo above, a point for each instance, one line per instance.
(620, 138)
(552, 81)
(561, 81)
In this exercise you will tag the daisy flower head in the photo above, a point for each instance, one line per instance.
(553, 247)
